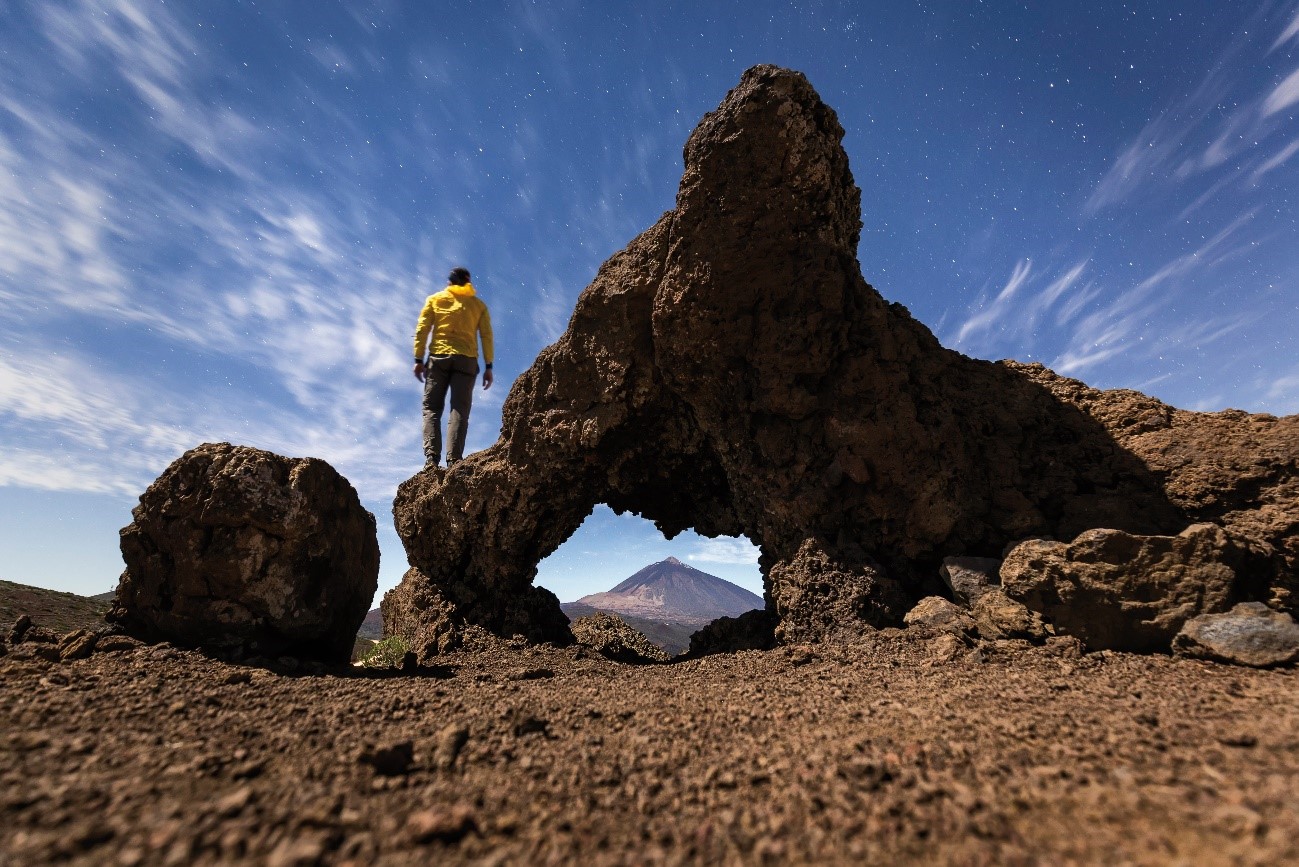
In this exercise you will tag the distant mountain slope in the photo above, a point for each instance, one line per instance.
(671, 590)
(372, 625)
(54, 609)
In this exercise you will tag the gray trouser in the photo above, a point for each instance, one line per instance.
(442, 373)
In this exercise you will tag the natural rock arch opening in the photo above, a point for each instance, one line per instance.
(609, 547)
(731, 371)
(667, 589)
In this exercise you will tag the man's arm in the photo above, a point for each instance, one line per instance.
(422, 329)
(485, 331)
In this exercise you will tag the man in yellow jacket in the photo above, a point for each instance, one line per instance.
(449, 326)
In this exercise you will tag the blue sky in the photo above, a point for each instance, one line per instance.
(218, 220)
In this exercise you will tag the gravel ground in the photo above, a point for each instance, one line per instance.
(900, 749)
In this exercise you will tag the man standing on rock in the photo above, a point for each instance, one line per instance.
(453, 319)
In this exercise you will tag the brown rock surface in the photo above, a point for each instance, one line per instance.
(238, 548)
(939, 615)
(1115, 590)
(882, 752)
(730, 371)
(998, 616)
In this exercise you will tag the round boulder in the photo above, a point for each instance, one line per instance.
(238, 549)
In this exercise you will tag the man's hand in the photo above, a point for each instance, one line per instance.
(487, 379)
(419, 370)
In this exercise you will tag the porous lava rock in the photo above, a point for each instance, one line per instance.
(998, 616)
(1119, 591)
(1249, 634)
(238, 549)
(611, 636)
(731, 372)
(752, 630)
(936, 614)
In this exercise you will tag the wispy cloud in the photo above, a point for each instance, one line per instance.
(1285, 95)
(1014, 316)
(740, 552)
(1276, 161)
(1226, 109)
(1290, 32)
(1126, 325)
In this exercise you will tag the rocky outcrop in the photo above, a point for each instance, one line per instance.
(235, 548)
(1249, 634)
(730, 371)
(611, 636)
(753, 630)
(1118, 591)
(418, 611)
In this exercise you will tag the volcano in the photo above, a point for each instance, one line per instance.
(672, 591)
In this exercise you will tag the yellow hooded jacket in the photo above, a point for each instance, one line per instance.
(455, 316)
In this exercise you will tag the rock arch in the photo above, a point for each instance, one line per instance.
(730, 371)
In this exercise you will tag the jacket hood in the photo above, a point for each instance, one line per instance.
(464, 291)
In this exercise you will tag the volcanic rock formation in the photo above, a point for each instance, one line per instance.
(730, 371)
(237, 548)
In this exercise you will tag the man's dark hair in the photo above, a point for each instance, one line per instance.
(458, 276)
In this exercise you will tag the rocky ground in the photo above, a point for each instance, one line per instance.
(897, 749)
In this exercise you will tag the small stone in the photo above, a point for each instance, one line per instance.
(41, 635)
(970, 577)
(450, 741)
(940, 615)
(945, 648)
(530, 674)
(297, 853)
(19, 631)
(234, 802)
(1064, 646)
(997, 616)
(390, 761)
(46, 652)
(1249, 634)
(79, 648)
(801, 654)
(116, 643)
(248, 770)
(442, 825)
(524, 723)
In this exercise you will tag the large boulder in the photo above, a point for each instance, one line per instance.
(238, 549)
(1119, 591)
(1249, 634)
(730, 371)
